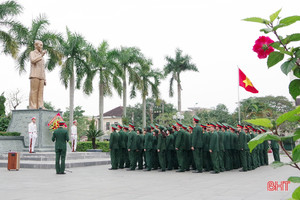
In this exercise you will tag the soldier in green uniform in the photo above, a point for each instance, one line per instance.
(123, 149)
(114, 146)
(132, 146)
(275, 149)
(207, 164)
(235, 148)
(161, 148)
(187, 148)
(254, 151)
(221, 146)
(242, 140)
(170, 149)
(155, 161)
(61, 137)
(148, 148)
(197, 145)
(214, 148)
(126, 158)
(248, 155)
(140, 147)
(227, 147)
(265, 149)
(175, 153)
(180, 147)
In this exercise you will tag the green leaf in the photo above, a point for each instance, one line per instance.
(297, 72)
(287, 66)
(289, 20)
(296, 153)
(295, 37)
(277, 164)
(294, 179)
(260, 122)
(297, 53)
(260, 139)
(275, 45)
(294, 88)
(296, 194)
(274, 58)
(266, 30)
(274, 15)
(257, 19)
(286, 116)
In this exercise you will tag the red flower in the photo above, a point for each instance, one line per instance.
(262, 47)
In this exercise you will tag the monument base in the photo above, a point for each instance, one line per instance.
(19, 123)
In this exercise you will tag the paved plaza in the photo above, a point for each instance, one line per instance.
(97, 182)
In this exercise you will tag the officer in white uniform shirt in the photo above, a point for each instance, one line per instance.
(32, 131)
(74, 135)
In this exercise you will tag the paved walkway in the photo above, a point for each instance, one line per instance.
(98, 182)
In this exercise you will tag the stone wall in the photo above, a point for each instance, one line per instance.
(11, 143)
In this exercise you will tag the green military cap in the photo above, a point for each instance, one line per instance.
(61, 123)
(174, 125)
(184, 126)
(219, 124)
(203, 125)
(196, 118)
(191, 127)
(120, 125)
(211, 124)
(179, 123)
(126, 127)
(239, 126)
(161, 128)
(170, 129)
(131, 125)
(139, 129)
(156, 125)
(113, 126)
(152, 126)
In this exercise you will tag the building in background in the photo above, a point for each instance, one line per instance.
(113, 116)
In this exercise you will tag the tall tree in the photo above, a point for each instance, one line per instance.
(103, 62)
(149, 78)
(175, 66)
(74, 51)
(51, 43)
(9, 28)
(127, 57)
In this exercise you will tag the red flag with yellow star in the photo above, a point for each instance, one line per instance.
(246, 83)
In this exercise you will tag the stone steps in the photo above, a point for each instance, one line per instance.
(46, 160)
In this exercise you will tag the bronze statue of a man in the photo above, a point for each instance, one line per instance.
(37, 76)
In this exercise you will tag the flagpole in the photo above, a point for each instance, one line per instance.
(239, 95)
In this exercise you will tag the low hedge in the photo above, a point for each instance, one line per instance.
(10, 133)
(84, 146)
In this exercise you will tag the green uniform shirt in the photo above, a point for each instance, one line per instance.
(214, 141)
(60, 136)
(197, 137)
(221, 140)
(161, 142)
(132, 141)
(179, 143)
(170, 142)
(122, 137)
(227, 140)
(206, 141)
(114, 140)
(148, 144)
(274, 144)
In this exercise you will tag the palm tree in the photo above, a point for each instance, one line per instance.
(8, 10)
(51, 43)
(175, 66)
(74, 51)
(148, 77)
(103, 62)
(127, 57)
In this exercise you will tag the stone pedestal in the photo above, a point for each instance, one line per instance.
(21, 119)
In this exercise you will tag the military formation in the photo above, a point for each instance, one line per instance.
(213, 147)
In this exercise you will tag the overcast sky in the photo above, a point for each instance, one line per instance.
(211, 32)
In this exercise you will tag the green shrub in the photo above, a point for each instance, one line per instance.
(4, 122)
(83, 146)
(10, 134)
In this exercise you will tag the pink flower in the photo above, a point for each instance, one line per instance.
(262, 47)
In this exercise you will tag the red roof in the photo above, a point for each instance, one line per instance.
(117, 112)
